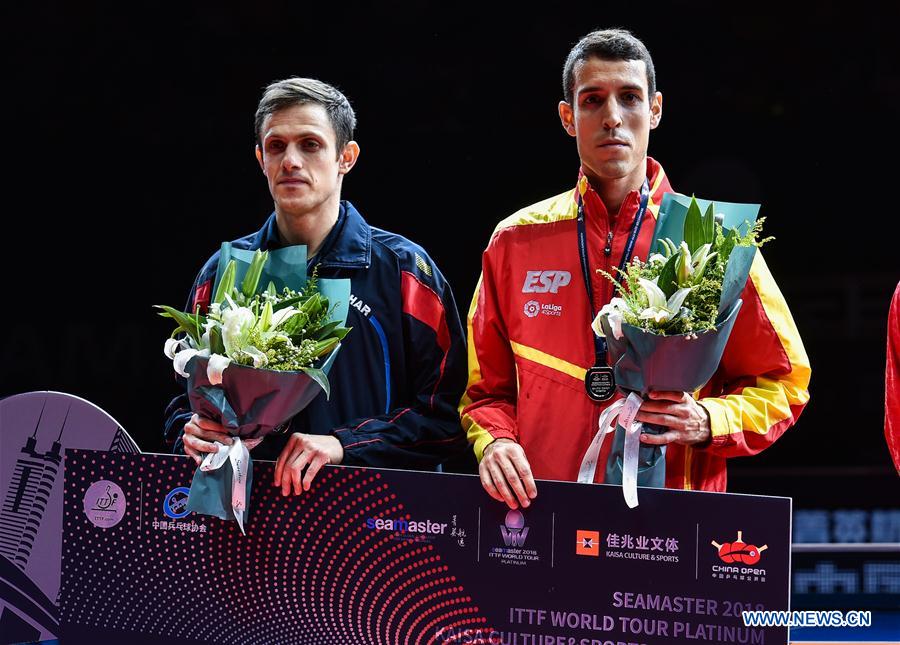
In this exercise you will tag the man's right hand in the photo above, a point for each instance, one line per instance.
(199, 435)
(506, 474)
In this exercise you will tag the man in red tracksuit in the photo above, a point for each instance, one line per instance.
(526, 410)
(892, 381)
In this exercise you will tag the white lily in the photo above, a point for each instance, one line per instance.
(660, 309)
(656, 258)
(236, 325)
(282, 315)
(613, 313)
(173, 346)
(259, 358)
(180, 361)
(215, 367)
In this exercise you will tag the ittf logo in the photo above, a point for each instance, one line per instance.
(587, 543)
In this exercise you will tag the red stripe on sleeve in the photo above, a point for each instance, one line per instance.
(202, 297)
(423, 304)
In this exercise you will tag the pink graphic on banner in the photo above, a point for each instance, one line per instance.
(35, 430)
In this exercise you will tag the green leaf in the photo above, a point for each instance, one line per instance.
(226, 284)
(186, 322)
(709, 226)
(295, 324)
(271, 289)
(289, 302)
(341, 332)
(251, 280)
(728, 242)
(326, 330)
(216, 346)
(667, 281)
(693, 226)
(319, 377)
(265, 318)
(313, 307)
(324, 346)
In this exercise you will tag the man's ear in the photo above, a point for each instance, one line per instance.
(655, 110)
(348, 157)
(567, 118)
(259, 158)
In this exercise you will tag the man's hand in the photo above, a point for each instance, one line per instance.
(309, 451)
(199, 434)
(504, 466)
(687, 420)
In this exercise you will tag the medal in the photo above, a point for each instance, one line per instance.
(600, 383)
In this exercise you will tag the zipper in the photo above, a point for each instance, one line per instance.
(608, 249)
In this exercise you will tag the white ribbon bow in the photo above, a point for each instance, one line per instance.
(238, 453)
(622, 413)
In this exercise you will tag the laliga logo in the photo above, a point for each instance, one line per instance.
(532, 308)
(738, 551)
(514, 532)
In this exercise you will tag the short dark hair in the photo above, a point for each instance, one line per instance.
(300, 91)
(607, 44)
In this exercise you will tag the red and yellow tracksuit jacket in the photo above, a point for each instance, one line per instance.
(530, 343)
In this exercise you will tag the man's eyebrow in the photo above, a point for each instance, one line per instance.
(627, 86)
(293, 135)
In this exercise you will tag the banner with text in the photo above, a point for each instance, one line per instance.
(378, 556)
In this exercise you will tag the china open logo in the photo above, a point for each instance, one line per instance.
(532, 308)
(739, 551)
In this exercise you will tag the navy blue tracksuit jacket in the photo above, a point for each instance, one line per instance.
(401, 371)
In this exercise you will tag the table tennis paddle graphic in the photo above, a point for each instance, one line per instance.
(739, 551)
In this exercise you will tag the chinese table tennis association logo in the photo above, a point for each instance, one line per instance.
(739, 551)
(587, 543)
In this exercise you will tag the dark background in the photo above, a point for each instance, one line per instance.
(131, 155)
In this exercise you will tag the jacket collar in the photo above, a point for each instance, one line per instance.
(659, 186)
(347, 245)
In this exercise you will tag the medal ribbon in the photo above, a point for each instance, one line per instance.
(599, 341)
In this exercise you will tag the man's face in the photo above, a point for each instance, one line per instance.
(611, 117)
(300, 160)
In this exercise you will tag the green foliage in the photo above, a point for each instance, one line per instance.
(697, 264)
(293, 340)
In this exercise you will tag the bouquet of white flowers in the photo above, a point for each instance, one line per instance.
(254, 360)
(669, 326)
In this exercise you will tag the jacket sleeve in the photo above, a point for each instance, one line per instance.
(762, 383)
(424, 430)
(488, 408)
(178, 412)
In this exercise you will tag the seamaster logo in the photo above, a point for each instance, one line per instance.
(532, 308)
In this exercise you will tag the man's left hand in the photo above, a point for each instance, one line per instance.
(309, 451)
(687, 420)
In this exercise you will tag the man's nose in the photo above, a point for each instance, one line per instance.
(292, 159)
(612, 116)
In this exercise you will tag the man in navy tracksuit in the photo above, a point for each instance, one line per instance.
(401, 371)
